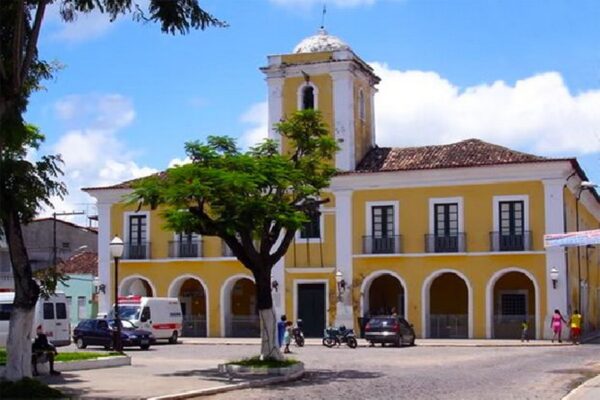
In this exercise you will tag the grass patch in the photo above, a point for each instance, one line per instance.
(67, 356)
(258, 363)
(28, 388)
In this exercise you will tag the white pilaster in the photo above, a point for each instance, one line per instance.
(343, 254)
(104, 237)
(556, 298)
(275, 104)
(343, 114)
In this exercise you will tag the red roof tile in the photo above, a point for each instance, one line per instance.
(81, 263)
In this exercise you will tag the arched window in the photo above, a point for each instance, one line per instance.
(308, 98)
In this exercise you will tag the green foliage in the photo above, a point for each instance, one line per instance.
(247, 197)
(256, 362)
(28, 388)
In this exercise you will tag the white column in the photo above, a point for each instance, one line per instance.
(104, 237)
(343, 254)
(556, 298)
(343, 114)
(275, 104)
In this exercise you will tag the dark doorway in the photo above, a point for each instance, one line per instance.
(311, 308)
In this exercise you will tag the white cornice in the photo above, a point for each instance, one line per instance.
(453, 176)
(109, 196)
(313, 270)
(468, 254)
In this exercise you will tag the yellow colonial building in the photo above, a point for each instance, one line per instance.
(450, 236)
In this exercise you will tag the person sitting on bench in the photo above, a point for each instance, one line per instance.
(41, 351)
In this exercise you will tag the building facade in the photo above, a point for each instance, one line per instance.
(450, 236)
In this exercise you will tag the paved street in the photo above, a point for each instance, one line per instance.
(435, 373)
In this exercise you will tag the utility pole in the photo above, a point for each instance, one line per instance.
(54, 249)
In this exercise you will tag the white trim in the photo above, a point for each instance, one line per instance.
(104, 259)
(496, 204)
(453, 176)
(446, 200)
(489, 300)
(125, 232)
(225, 304)
(368, 218)
(175, 286)
(314, 270)
(295, 296)
(425, 300)
(299, 93)
(343, 113)
(321, 239)
(129, 279)
(368, 281)
(476, 254)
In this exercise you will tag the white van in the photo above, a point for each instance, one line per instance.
(160, 315)
(51, 314)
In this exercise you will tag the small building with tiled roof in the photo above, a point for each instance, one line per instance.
(449, 236)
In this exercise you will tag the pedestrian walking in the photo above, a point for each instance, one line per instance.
(575, 324)
(556, 325)
(287, 336)
(281, 330)
(524, 331)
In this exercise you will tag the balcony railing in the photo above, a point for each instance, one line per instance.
(382, 245)
(137, 251)
(185, 249)
(510, 242)
(446, 244)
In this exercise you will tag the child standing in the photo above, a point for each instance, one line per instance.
(287, 336)
(524, 331)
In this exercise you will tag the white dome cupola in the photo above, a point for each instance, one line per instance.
(322, 41)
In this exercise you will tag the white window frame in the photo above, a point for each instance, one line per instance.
(301, 90)
(126, 216)
(369, 219)
(300, 240)
(445, 200)
(496, 214)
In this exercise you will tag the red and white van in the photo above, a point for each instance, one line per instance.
(160, 315)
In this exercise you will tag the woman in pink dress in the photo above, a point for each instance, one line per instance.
(556, 325)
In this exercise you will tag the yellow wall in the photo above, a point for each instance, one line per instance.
(363, 133)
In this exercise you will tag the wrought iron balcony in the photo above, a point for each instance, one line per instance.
(382, 245)
(510, 242)
(446, 244)
(185, 249)
(137, 251)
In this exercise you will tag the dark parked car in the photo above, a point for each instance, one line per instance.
(99, 332)
(389, 329)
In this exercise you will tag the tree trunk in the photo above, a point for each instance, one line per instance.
(269, 348)
(18, 346)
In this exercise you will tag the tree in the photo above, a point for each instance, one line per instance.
(255, 200)
(21, 72)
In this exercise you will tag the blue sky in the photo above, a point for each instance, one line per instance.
(523, 74)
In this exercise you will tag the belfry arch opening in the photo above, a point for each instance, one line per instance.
(448, 307)
(308, 98)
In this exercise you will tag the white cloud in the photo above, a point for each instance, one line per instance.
(537, 114)
(93, 153)
(257, 118)
(178, 161)
(84, 27)
(310, 3)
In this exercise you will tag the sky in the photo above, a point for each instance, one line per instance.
(519, 73)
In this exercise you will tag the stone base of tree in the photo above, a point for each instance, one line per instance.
(232, 370)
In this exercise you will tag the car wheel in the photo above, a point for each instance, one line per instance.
(80, 343)
(145, 346)
(173, 338)
(352, 343)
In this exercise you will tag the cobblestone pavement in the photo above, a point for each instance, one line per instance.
(434, 373)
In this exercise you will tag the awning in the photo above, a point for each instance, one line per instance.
(572, 239)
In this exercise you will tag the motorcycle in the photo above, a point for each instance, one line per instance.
(297, 334)
(338, 336)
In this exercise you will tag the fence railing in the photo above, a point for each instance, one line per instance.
(136, 251)
(242, 326)
(510, 242)
(194, 326)
(456, 243)
(509, 326)
(449, 326)
(185, 249)
(382, 245)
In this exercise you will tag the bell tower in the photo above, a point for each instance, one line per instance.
(323, 73)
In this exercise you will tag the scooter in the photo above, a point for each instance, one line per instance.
(338, 336)
(297, 334)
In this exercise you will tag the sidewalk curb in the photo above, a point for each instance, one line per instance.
(229, 388)
(592, 384)
(66, 366)
(466, 344)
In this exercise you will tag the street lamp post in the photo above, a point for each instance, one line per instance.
(584, 185)
(116, 251)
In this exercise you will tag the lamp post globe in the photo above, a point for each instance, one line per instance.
(116, 251)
